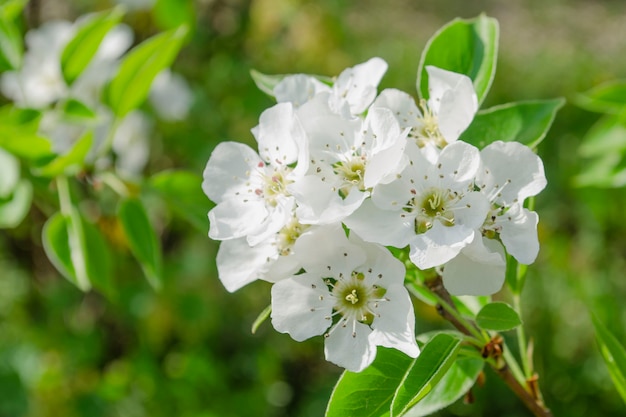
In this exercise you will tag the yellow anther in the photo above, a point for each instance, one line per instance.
(352, 297)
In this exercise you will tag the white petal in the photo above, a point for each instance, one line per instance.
(459, 162)
(353, 351)
(515, 162)
(357, 85)
(471, 210)
(401, 105)
(385, 227)
(279, 135)
(229, 169)
(395, 325)
(234, 218)
(385, 269)
(519, 233)
(478, 270)
(453, 100)
(301, 306)
(298, 89)
(276, 218)
(439, 244)
(239, 264)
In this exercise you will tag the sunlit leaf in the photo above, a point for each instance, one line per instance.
(609, 97)
(142, 239)
(468, 47)
(70, 162)
(525, 122)
(498, 316)
(614, 356)
(11, 46)
(77, 110)
(131, 85)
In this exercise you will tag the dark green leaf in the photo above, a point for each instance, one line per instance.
(11, 46)
(16, 207)
(84, 45)
(614, 356)
(142, 239)
(69, 163)
(468, 47)
(141, 65)
(606, 98)
(498, 316)
(455, 383)
(428, 368)
(525, 122)
(377, 383)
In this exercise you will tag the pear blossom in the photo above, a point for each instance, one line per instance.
(250, 189)
(348, 157)
(441, 119)
(352, 292)
(432, 206)
(510, 173)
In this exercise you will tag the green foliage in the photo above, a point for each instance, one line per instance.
(614, 356)
(498, 316)
(171, 14)
(78, 53)
(609, 98)
(11, 45)
(394, 383)
(142, 239)
(525, 122)
(75, 110)
(468, 47)
(131, 85)
(71, 162)
(15, 207)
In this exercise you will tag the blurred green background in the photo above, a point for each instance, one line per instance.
(187, 351)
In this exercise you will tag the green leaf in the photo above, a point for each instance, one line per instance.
(264, 315)
(14, 209)
(78, 251)
(181, 190)
(69, 163)
(607, 135)
(85, 43)
(468, 47)
(608, 171)
(455, 383)
(11, 46)
(9, 173)
(170, 14)
(498, 316)
(266, 83)
(142, 239)
(131, 85)
(11, 9)
(614, 356)
(525, 122)
(376, 383)
(77, 110)
(609, 97)
(18, 133)
(428, 368)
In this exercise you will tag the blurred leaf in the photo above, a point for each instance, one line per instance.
(393, 383)
(11, 46)
(78, 52)
(170, 14)
(69, 163)
(607, 171)
(609, 97)
(27, 120)
(525, 122)
(607, 135)
(261, 318)
(16, 207)
(498, 316)
(77, 250)
(182, 191)
(469, 306)
(9, 173)
(428, 368)
(11, 9)
(77, 110)
(468, 47)
(142, 239)
(18, 133)
(376, 383)
(14, 394)
(130, 87)
(455, 383)
(614, 356)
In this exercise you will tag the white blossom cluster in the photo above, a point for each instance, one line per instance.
(342, 173)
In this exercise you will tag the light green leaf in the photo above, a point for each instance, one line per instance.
(9, 173)
(11, 9)
(609, 97)
(14, 209)
(428, 368)
(77, 110)
(18, 133)
(85, 43)
(607, 135)
(182, 191)
(525, 122)
(266, 83)
(468, 47)
(498, 316)
(78, 251)
(69, 163)
(11, 46)
(377, 383)
(455, 383)
(142, 239)
(614, 356)
(130, 87)
(170, 14)
(607, 171)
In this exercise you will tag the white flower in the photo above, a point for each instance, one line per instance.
(250, 189)
(170, 96)
(298, 89)
(431, 206)
(351, 292)
(348, 157)
(448, 112)
(510, 173)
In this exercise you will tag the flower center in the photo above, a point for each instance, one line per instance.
(352, 172)
(433, 204)
(429, 130)
(274, 185)
(288, 235)
(356, 300)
